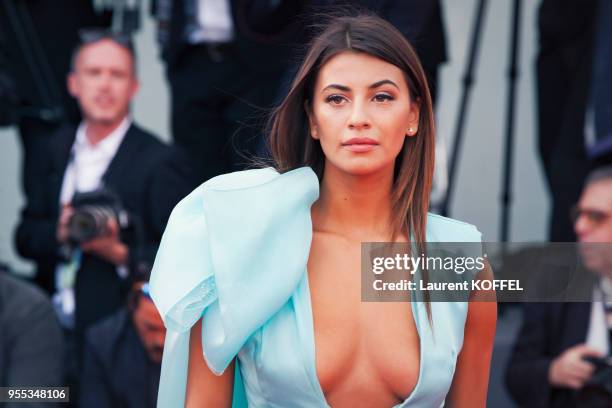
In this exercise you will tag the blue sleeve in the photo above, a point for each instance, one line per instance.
(232, 254)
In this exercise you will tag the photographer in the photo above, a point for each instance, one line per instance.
(122, 358)
(103, 191)
(560, 357)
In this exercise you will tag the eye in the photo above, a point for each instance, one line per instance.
(383, 97)
(93, 71)
(119, 74)
(335, 99)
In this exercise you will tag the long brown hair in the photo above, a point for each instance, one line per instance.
(291, 145)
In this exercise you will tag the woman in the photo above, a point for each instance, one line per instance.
(272, 265)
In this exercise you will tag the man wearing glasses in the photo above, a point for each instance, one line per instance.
(122, 358)
(125, 182)
(563, 346)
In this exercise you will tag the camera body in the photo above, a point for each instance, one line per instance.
(597, 392)
(92, 212)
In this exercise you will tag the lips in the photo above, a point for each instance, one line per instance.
(360, 144)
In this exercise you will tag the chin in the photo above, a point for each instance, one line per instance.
(105, 118)
(592, 262)
(362, 166)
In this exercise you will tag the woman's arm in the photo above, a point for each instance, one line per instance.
(471, 379)
(205, 389)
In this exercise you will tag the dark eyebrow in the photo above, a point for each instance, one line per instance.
(342, 88)
(375, 85)
(383, 82)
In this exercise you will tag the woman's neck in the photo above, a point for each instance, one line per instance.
(355, 207)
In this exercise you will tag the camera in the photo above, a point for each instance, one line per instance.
(92, 212)
(597, 392)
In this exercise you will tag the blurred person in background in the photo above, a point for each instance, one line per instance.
(549, 362)
(104, 192)
(122, 355)
(31, 343)
(598, 127)
(224, 62)
(570, 87)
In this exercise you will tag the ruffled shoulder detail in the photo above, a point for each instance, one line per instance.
(233, 252)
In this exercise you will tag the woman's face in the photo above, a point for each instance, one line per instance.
(361, 112)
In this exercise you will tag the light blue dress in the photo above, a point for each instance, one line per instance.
(234, 253)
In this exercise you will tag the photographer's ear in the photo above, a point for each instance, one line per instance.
(73, 86)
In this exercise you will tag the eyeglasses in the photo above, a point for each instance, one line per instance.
(595, 217)
(92, 35)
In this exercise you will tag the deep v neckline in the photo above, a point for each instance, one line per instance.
(311, 359)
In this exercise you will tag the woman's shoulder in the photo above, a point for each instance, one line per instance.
(444, 229)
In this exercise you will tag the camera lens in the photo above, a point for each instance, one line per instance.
(88, 222)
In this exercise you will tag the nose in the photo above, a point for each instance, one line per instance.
(359, 118)
(104, 80)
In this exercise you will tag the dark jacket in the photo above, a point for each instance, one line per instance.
(148, 177)
(548, 330)
(31, 343)
(566, 31)
(264, 31)
(116, 370)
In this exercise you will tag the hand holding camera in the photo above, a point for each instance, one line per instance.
(93, 222)
(108, 246)
(597, 391)
(570, 370)
(62, 224)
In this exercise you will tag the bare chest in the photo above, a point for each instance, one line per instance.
(365, 351)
